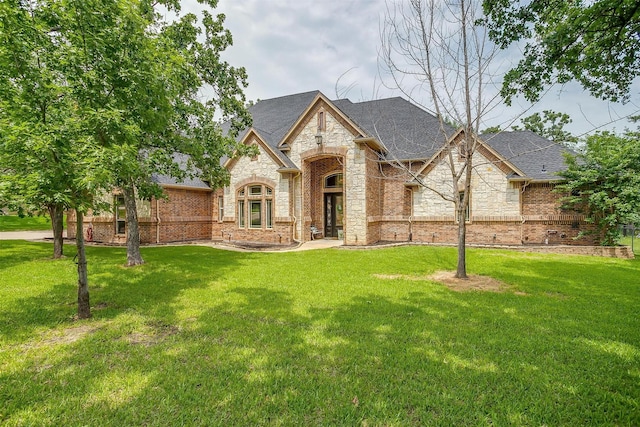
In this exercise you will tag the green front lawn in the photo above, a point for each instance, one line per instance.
(200, 336)
(27, 223)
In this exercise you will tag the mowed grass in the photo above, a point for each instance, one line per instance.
(27, 223)
(200, 336)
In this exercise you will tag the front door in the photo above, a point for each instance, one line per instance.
(333, 214)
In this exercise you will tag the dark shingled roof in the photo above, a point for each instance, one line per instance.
(273, 118)
(537, 157)
(407, 132)
(181, 160)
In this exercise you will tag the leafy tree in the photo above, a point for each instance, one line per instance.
(34, 121)
(140, 79)
(47, 157)
(492, 129)
(604, 182)
(550, 125)
(593, 42)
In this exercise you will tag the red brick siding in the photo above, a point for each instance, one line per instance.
(374, 195)
(539, 199)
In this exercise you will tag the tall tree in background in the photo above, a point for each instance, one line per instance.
(549, 125)
(435, 48)
(593, 42)
(604, 182)
(139, 78)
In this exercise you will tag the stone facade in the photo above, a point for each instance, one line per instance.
(276, 196)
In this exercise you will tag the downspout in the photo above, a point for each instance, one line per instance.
(293, 234)
(157, 222)
(524, 187)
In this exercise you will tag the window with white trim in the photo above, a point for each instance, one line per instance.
(255, 207)
(120, 214)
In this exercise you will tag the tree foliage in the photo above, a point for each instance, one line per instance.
(593, 42)
(140, 78)
(603, 182)
(104, 93)
(549, 125)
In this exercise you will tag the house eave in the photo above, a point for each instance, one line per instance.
(285, 170)
(186, 187)
(370, 142)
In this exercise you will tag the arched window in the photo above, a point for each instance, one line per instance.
(255, 207)
(333, 181)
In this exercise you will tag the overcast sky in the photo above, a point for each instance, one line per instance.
(292, 46)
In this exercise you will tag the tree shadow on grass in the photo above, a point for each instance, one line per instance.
(13, 252)
(113, 288)
(254, 359)
(254, 356)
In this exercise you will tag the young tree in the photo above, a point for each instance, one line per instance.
(435, 47)
(604, 182)
(33, 120)
(47, 157)
(593, 42)
(140, 79)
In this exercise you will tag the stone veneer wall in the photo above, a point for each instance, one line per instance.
(542, 222)
(491, 192)
(337, 141)
(261, 169)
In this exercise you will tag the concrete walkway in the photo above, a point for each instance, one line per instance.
(306, 246)
(314, 244)
(27, 235)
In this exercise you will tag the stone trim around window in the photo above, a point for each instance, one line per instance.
(255, 206)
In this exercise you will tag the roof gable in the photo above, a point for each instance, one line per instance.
(481, 148)
(318, 103)
(251, 137)
(538, 158)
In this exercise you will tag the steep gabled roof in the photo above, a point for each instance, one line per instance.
(538, 158)
(407, 131)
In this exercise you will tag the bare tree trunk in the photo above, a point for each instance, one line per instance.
(461, 270)
(133, 231)
(84, 309)
(56, 212)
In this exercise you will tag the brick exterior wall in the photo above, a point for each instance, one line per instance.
(545, 223)
(375, 196)
(185, 215)
(378, 205)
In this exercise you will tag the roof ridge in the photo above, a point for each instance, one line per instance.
(288, 96)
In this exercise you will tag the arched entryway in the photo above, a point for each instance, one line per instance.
(324, 196)
(333, 194)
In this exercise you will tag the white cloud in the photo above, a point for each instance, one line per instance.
(291, 46)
